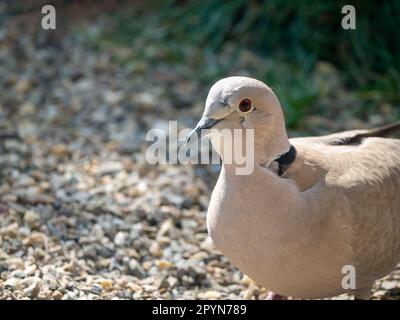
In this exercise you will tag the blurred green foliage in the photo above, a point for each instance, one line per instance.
(299, 30)
(290, 38)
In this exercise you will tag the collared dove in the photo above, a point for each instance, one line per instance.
(314, 210)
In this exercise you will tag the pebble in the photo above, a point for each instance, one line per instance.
(251, 292)
(380, 293)
(60, 150)
(96, 289)
(57, 295)
(163, 264)
(50, 282)
(199, 256)
(211, 295)
(32, 286)
(165, 228)
(36, 238)
(135, 269)
(247, 281)
(97, 232)
(146, 265)
(162, 283)
(155, 249)
(172, 281)
(13, 284)
(15, 263)
(390, 285)
(15, 146)
(120, 238)
(106, 284)
(24, 231)
(24, 181)
(31, 217)
(10, 230)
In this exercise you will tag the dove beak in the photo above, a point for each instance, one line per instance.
(201, 130)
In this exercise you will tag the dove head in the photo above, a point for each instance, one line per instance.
(245, 104)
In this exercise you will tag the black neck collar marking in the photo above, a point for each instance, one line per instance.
(285, 160)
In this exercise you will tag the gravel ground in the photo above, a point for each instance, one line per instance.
(82, 215)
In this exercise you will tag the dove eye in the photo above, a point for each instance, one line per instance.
(245, 105)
